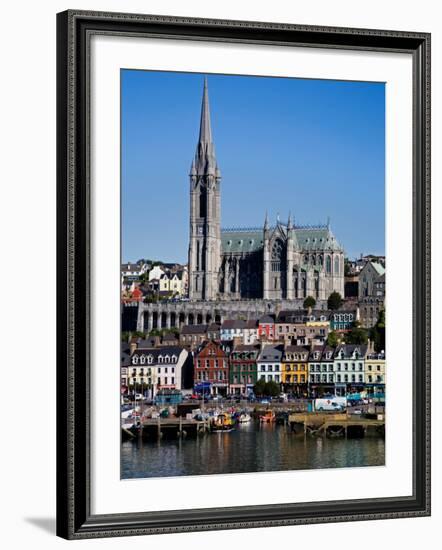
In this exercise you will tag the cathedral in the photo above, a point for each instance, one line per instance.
(281, 261)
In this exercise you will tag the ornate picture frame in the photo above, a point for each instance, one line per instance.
(74, 517)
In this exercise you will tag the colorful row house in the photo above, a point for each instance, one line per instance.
(243, 368)
(375, 373)
(295, 370)
(211, 369)
(269, 363)
(321, 371)
(154, 369)
(349, 368)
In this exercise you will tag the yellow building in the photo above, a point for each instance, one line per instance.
(294, 368)
(175, 283)
(375, 372)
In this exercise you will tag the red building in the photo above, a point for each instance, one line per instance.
(266, 328)
(211, 367)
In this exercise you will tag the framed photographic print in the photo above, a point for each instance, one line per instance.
(243, 274)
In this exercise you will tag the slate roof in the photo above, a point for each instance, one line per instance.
(349, 349)
(194, 329)
(229, 324)
(297, 349)
(246, 347)
(271, 353)
(379, 267)
(242, 240)
(310, 239)
(155, 352)
(301, 315)
(266, 320)
(169, 336)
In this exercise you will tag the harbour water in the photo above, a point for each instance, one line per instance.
(249, 448)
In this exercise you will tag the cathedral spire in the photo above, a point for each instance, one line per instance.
(205, 160)
(266, 222)
(205, 126)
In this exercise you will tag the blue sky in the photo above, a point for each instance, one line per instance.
(314, 147)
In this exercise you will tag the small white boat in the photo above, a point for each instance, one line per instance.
(244, 418)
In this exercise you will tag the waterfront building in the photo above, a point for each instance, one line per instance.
(375, 373)
(348, 366)
(321, 371)
(243, 369)
(295, 370)
(269, 362)
(158, 368)
(124, 367)
(211, 368)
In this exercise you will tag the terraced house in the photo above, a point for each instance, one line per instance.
(295, 370)
(269, 363)
(349, 367)
(321, 370)
(211, 368)
(375, 373)
(243, 369)
(154, 369)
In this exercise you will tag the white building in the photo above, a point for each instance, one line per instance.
(158, 368)
(269, 364)
(348, 365)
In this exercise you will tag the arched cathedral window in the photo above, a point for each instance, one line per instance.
(328, 264)
(277, 255)
(336, 265)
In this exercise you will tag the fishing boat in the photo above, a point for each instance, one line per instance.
(222, 423)
(267, 417)
(244, 418)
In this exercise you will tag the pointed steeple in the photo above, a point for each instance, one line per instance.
(193, 169)
(266, 222)
(289, 221)
(205, 161)
(205, 126)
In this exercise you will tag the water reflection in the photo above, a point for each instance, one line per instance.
(249, 448)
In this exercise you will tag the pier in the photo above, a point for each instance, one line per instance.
(336, 425)
(157, 428)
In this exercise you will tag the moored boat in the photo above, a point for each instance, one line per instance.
(267, 417)
(222, 423)
(244, 418)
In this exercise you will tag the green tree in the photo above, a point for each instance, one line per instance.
(266, 388)
(377, 333)
(259, 387)
(332, 339)
(357, 335)
(272, 388)
(309, 302)
(334, 301)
